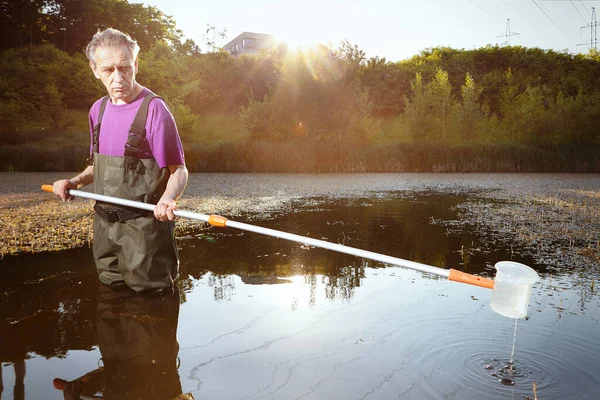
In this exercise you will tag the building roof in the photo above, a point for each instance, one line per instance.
(249, 35)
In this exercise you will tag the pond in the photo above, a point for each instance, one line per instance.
(257, 317)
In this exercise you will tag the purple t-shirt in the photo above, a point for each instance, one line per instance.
(162, 138)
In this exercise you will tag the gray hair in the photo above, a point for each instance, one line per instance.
(110, 38)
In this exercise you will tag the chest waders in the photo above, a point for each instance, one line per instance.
(131, 246)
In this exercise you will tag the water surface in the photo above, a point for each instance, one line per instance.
(261, 318)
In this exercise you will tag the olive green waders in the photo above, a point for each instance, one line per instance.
(131, 246)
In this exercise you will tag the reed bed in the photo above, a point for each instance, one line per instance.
(321, 157)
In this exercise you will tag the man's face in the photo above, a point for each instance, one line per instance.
(116, 68)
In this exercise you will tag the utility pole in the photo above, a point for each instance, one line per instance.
(593, 25)
(507, 35)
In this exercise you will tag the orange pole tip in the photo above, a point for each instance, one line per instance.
(48, 188)
(459, 276)
(217, 220)
(59, 383)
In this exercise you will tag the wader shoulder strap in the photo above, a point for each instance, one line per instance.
(96, 130)
(137, 131)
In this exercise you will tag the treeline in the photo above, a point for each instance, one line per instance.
(70, 24)
(319, 110)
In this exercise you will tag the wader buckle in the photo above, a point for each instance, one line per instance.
(114, 215)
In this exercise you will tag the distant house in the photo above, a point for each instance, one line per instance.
(249, 43)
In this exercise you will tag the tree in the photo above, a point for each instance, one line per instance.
(313, 99)
(53, 108)
(441, 96)
(33, 77)
(387, 85)
(351, 57)
(470, 110)
(418, 110)
(212, 37)
(70, 24)
(20, 22)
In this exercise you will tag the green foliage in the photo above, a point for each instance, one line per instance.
(387, 86)
(417, 110)
(535, 115)
(40, 84)
(264, 120)
(427, 112)
(12, 114)
(441, 97)
(53, 108)
(166, 72)
(470, 112)
(70, 24)
(214, 129)
(561, 72)
(184, 119)
(315, 99)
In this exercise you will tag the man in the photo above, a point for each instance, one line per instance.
(137, 155)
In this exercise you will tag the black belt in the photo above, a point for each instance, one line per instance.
(118, 214)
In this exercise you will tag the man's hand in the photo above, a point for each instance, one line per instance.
(61, 187)
(166, 205)
(164, 209)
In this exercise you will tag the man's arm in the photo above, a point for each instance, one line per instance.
(60, 187)
(175, 185)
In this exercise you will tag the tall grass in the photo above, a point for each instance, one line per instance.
(216, 144)
(406, 157)
(316, 157)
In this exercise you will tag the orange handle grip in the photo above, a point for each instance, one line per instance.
(217, 220)
(459, 276)
(48, 188)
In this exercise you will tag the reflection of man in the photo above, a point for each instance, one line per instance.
(19, 390)
(137, 155)
(14, 345)
(137, 339)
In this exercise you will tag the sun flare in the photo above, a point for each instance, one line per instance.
(296, 43)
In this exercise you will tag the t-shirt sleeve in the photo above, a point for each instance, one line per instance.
(164, 139)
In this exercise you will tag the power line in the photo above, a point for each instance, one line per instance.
(483, 9)
(576, 9)
(516, 13)
(508, 6)
(542, 5)
(551, 20)
(583, 5)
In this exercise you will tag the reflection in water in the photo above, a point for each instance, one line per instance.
(19, 389)
(13, 349)
(44, 311)
(223, 285)
(398, 227)
(137, 339)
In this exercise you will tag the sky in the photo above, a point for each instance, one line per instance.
(393, 29)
